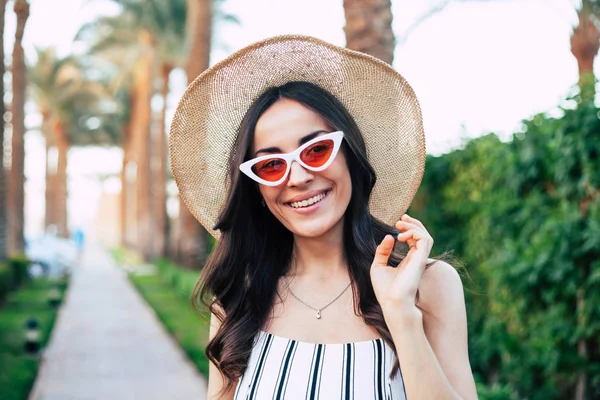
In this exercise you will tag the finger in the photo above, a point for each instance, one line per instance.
(416, 238)
(414, 234)
(384, 250)
(413, 237)
(408, 218)
(402, 225)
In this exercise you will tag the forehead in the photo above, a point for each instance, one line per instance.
(284, 123)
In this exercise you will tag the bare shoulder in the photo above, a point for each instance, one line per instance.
(445, 323)
(441, 288)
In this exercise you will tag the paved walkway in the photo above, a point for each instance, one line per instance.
(108, 344)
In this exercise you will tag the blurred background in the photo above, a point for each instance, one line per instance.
(512, 182)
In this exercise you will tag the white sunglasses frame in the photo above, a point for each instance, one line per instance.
(337, 138)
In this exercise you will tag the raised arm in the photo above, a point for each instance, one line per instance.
(431, 338)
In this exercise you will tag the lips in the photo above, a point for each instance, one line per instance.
(305, 201)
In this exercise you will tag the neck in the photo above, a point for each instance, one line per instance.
(320, 257)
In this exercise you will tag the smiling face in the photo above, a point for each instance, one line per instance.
(307, 203)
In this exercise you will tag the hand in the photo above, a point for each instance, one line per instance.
(397, 287)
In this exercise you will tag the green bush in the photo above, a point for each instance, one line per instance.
(524, 216)
(182, 280)
(18, 369)
(19, 266)
(496, 392)
(6, 281)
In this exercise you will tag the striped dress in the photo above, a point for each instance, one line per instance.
(281, 368)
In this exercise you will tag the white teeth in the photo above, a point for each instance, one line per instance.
(308, 202)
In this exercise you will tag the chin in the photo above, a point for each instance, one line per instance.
(312, 232)
(313, 229)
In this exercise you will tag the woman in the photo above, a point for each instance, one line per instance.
(320, 285)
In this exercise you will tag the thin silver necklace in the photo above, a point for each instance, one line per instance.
(318, 310)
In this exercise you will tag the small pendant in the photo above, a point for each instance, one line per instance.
(318, 314)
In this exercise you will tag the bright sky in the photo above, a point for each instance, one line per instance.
(477, 66)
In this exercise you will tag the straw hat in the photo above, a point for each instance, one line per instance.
(381, 101)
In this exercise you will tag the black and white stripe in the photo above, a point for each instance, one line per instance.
(378, 371)
(348, 372)
(258, 371)
(284, 370)
(314, 382)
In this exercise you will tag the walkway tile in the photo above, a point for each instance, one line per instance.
(108, 344)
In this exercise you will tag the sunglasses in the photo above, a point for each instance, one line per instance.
(314, 155)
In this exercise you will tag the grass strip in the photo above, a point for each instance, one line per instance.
(18, 369)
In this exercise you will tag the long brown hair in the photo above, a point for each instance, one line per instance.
(239, 282)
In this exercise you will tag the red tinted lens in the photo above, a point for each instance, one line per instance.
(271, 169)
(317, 154)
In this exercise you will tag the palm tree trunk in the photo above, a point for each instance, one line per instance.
(585, 42)
(161, 225)
(16, 193)
(123, 201)
(3, 216)
(199, 31)
(50, 195)
(124, 198)
(141, 116)
(369, 28)
(192, 237)
(60, 190)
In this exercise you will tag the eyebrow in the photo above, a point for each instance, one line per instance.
(304, 139)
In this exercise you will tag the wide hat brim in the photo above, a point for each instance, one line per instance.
(210, 111)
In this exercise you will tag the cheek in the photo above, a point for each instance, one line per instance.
(346, 183)
(269, 193)
(341, 175)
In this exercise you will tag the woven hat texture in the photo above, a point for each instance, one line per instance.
(382, 103)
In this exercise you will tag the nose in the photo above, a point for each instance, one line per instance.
(299, 176)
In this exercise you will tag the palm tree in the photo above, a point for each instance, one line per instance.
(115, 39)
(3, 219)
(153, 37)
(44, 76)
(16, 195)
(150, 34)
(126, 41)
(192, 238)
(369, 28)
(171, 53)
(75, 111)
(585, 43)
